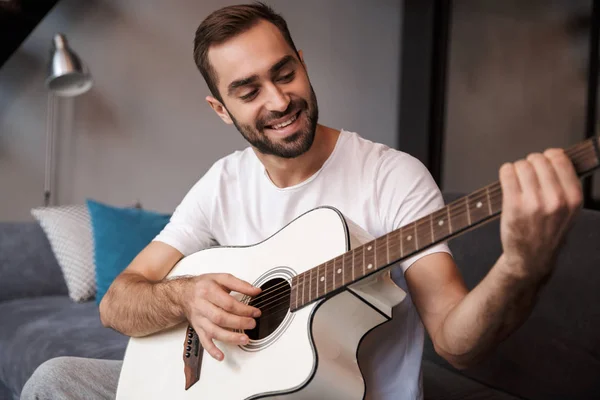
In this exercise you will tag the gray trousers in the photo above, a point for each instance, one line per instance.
(84, 378)
(73, 378)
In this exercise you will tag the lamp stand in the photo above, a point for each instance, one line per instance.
(49, 150)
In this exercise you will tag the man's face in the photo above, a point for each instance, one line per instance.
(266, 91)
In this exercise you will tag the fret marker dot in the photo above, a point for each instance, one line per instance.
(441, 222)
(479, 204)
(339, 271)
(322, 278)
(369, 266)
(409, 237)
(369, 248)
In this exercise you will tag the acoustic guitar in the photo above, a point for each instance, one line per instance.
(325, 284)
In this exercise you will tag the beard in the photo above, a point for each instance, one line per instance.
(294, 144)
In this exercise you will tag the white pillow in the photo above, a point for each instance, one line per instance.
(69, 231)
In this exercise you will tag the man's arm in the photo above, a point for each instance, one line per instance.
(140, 301)
(540, 198)
(465, 326)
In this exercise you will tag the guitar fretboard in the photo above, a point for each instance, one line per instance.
(437, 227)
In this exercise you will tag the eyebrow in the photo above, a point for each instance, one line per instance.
(253, 78)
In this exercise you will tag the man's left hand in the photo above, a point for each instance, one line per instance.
(540, 197)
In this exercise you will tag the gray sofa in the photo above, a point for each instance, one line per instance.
(554, 355)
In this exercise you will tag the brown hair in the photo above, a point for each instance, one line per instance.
(226, 23)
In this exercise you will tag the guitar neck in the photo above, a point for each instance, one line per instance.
(446, 223)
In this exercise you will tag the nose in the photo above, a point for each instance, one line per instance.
(277, 99)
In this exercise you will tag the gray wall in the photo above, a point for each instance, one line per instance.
(516, 84)
(144, 131)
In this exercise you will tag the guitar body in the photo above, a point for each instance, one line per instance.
(308, 354)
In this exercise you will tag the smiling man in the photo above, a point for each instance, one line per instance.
(259, 83)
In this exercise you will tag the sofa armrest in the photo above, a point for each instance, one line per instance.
(28, 267)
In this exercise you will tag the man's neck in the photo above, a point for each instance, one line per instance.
(285, 172)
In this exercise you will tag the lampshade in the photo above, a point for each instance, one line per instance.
(67, 75)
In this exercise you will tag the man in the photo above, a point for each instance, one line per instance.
(259, 83)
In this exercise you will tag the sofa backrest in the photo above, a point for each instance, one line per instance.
(555, 354)
(28, 267)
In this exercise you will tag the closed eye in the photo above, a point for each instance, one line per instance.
(249, 96)
(286, 78)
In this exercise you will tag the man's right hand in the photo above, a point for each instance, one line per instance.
(213, 312)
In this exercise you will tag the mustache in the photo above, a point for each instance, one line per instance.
(292, 108)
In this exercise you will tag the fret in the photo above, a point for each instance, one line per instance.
(487, 194)
(353, 265)
(348, 258)
(401, 238)
(334, 273)
(310, 296)
(359, 262)
(394, 252)
(325, 273)
(458, 215)
(294, 294)
(344, 269)
(375, 246)
(477, 206)
(320, 281)
(495, 194)
(423, 229)
(328, 276)
(303, 286)
(447, 208)
(408, 240)
(431, 227)
(415, 235)
(440, 224)
(339, 271)
(468, 210)
(363, 261)
(369, 257)
(387, 248)
(335, 269)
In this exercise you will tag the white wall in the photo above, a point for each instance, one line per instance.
(144, 131)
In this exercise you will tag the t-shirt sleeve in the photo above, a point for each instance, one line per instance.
(189, 229)
(406, 191)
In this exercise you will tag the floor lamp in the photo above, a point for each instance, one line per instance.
(67, 76)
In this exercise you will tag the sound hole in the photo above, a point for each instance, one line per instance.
(273, 302)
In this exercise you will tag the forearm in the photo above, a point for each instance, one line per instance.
(486, 316)
(138, 307)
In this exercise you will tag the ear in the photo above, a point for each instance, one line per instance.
(220, 109)
(301, 55)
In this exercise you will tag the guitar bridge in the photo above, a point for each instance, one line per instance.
(192, 357)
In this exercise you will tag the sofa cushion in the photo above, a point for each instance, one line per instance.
(27, 266)
(119, 235)
(38, 329)
(555, 354)
(69, 231)
(440, 383)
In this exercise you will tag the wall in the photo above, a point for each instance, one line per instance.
(516, 84)
(144, 131)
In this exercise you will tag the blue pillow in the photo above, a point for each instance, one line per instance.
(119, 235)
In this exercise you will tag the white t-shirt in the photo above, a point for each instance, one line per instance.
(379, 188)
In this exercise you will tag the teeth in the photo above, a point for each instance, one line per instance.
(284, 124)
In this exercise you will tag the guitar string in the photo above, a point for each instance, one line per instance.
(456, 204)
(284, 293)
(277, 289)
(329, 270)
(281, 294)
